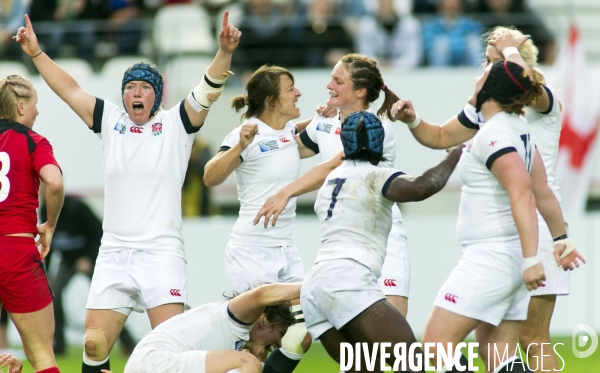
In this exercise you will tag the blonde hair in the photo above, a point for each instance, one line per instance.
(13, 89)
(528, 51)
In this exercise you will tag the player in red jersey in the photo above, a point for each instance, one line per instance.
(25, 158)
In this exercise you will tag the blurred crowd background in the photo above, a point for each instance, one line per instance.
(292, 33)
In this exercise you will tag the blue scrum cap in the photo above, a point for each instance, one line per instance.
(372, 139)
(146, 73)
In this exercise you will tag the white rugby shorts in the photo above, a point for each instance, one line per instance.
(336, 291)
(151, 360)
(247, 267)
(487, 284)
(558, 281)
(133, 280)
(395, 272)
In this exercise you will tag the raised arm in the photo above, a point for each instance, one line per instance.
(312, 180)
(248, 307)
(63, 84)
(218, 169)
(453, 132)
(210, 88)
(508, 46)
(55, 195)
(549, 208)
(510, 171)
(406, 188)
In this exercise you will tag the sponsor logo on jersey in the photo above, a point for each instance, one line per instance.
(156, 129)
(120, 127)
(389, 282)
(325, 127)
(492, 143)
(267, 146)
(134, 129)
(238, 345)
(451, 298)
(284, 140)
(175, 292)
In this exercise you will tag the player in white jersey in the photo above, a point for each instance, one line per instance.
(341, 299)
(263, 155)
(221, 337)
(545, 122)
(141, 264)
(497, 224)
(355, 83)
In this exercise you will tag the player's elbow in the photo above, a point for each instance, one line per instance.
(211, 178)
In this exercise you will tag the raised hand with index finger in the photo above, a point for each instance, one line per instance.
(28, 40)
(229, 36)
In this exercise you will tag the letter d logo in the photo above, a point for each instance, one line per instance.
(582, 334)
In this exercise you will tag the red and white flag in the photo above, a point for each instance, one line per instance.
(580, 97)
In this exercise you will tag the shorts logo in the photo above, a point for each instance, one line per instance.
(133, 129)
(175, 292)
(156, 129)
(451, 298)
(284, 140)
(267, 146)
(389, 282)
(324, 127)
(338, 131)
(238, 345)
(119, 127)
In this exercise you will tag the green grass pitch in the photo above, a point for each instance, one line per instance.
(317, 360)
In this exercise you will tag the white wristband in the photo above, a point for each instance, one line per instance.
(509, 51)
(569, 244)
(415, 122)
(529, 262)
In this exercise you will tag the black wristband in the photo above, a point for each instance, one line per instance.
(562, 237)
(32, 57)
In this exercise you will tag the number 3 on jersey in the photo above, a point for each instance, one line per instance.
(4, 182)
(338, 186)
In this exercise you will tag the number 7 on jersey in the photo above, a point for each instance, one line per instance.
(338, 186)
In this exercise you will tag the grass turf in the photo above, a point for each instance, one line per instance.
(317, 360)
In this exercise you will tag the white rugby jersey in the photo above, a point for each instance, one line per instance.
(210, 327)
(144, 169)
(545, 132)
(322, 136)
(269, 163)
(485, 214)
(355, 217)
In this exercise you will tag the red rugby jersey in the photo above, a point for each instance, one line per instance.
(23, 153)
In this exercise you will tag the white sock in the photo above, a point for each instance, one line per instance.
(87, 361)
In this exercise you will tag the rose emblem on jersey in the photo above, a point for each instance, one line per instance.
(156, 129)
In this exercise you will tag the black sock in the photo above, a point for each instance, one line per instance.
(515, 366)
(465, 363)
(94, 369)
(278, 363)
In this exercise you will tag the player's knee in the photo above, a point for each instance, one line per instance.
(531, 334)
(250, 364)
(95, 345)
(296, 340)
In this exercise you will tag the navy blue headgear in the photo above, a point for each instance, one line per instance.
(370, 124)
(146, 73)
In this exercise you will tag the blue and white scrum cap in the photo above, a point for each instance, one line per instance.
(372, 139)
(146, 73)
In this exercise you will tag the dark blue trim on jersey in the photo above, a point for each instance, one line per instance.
(187, 123)
(492, 158)
(236, 319)
(225, 148)
(6, 125)
(307, 141)
(97, 116)
(465, 121)
(551, 99)
(388, 182)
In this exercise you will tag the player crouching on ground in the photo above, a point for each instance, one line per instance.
(210, 338)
